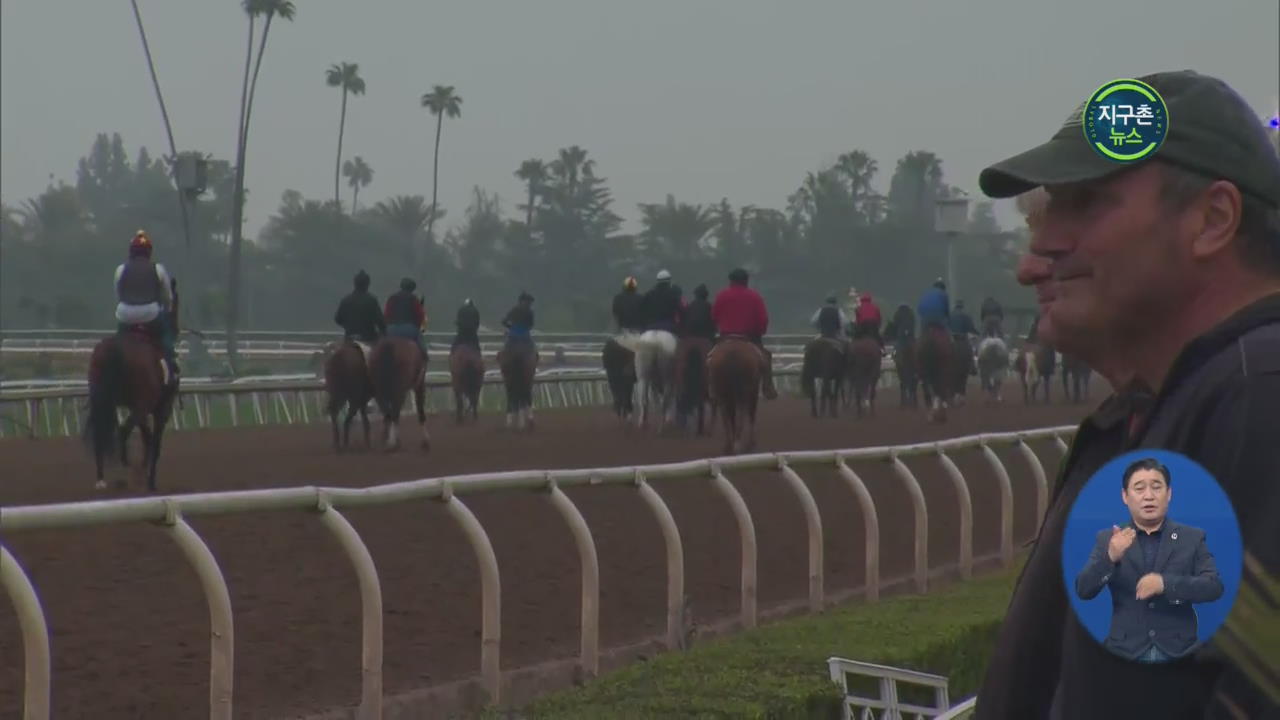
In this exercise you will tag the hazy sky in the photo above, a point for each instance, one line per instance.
(699, 98)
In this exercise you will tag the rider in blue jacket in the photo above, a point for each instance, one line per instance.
(935, 307)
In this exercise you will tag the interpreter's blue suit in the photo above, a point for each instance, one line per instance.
(1168, 620)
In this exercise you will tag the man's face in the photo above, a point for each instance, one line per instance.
(1147, 497)
(1104, 261)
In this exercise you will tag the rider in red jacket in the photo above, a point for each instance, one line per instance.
(740, 310)
(866, 319)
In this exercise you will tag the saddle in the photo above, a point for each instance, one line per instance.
(149, 334)
(365, 348)
(836, 343)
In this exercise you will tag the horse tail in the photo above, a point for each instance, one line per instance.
(107, 389)
(383, 372)
(472, 377)
(694, 381)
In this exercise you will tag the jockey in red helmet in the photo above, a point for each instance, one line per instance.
(144, 297)
(866, 319)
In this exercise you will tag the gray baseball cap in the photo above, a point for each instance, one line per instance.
(1212, 131)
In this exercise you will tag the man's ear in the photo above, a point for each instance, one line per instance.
(1216, 218)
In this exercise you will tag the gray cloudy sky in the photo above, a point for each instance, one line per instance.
(700, 98)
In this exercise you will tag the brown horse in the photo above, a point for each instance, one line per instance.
(346, 380)
(397, 365)
(466, 373)
(620, 370)
(824, 360)
(864, 373)
(935, 361)
(905, 366)
(733, 374)
(519, 361)
(1035, 367)
(1075, 379)
(127, 370)
(691, 381)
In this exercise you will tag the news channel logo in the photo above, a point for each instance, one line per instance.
(1125, 120)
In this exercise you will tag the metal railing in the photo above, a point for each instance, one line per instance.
(887, 701)
(58, 410)
(171, 513)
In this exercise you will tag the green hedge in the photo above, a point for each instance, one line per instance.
(779, 671)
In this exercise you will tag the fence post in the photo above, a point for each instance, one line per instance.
(1006, 504)
(590, 633)
(221, 658)
(966, 512)
(871, 528)
(675, 561)
(747, 531)
(1042, 482)
(490, 591)
(921, 513)
(35, 637)
(370, 607)
(813, 522)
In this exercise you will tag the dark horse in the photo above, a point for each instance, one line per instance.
(733, 375)
(1075, 379)
(824, 360)
(346, 380)
(397, 365)
(864, 373)
(466, 373)
(962, 366)
(901, 331)
(127, 370)
(936, 357)
(518, 361)
(620, 369)
(691, 381)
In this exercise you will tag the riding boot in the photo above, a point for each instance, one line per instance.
(770, 392)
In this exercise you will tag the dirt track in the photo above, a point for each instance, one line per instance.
(130, 625)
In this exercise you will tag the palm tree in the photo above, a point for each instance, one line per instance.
(254, 9)
(534, 174)
(405, 215)
(358, 174)
(440, 101)
(346, 76)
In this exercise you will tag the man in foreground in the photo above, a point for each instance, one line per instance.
(1164, 274)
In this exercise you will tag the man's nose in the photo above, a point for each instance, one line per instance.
(1033, 269)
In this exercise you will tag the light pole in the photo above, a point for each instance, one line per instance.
(951, 219)
(191, 175)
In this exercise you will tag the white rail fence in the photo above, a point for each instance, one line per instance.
(58, 410)
(171, 512)
(887, 701)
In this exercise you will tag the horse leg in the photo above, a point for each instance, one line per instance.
(352, 409)
(154, 451)
(420, 400)
(728, 413)
(752, 404)
(148, 441)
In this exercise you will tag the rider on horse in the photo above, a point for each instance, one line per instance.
(661, 305)
(992, 316)
(144, 297)
(405, 315)
(740, 310)
(695, 318)
(359, 315)
(468, 325)
(830, 319)
(628, 308)
(866, 319)
(519, 321)
(961, 322)
(935, 308)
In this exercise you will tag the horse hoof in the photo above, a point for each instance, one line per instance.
(100, 485)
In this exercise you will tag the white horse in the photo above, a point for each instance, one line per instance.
(993, 365)
(655, 376)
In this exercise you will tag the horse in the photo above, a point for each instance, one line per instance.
(733, 374)
(397, 365)
(824, 360)
(865, 357)
(518, 361)
(466, 375)
(1075, 379)
(962, 366)
(128, 370)
(993, 364)
(347, 382)
(1035, 366)
(936, 357)
(691, 380)
(655, 375)
(620, 370)
(905, 365)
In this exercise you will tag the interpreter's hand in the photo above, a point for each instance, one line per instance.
(1150, 585)
(1120, 542)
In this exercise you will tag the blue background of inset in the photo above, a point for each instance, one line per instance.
(1198, 501)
